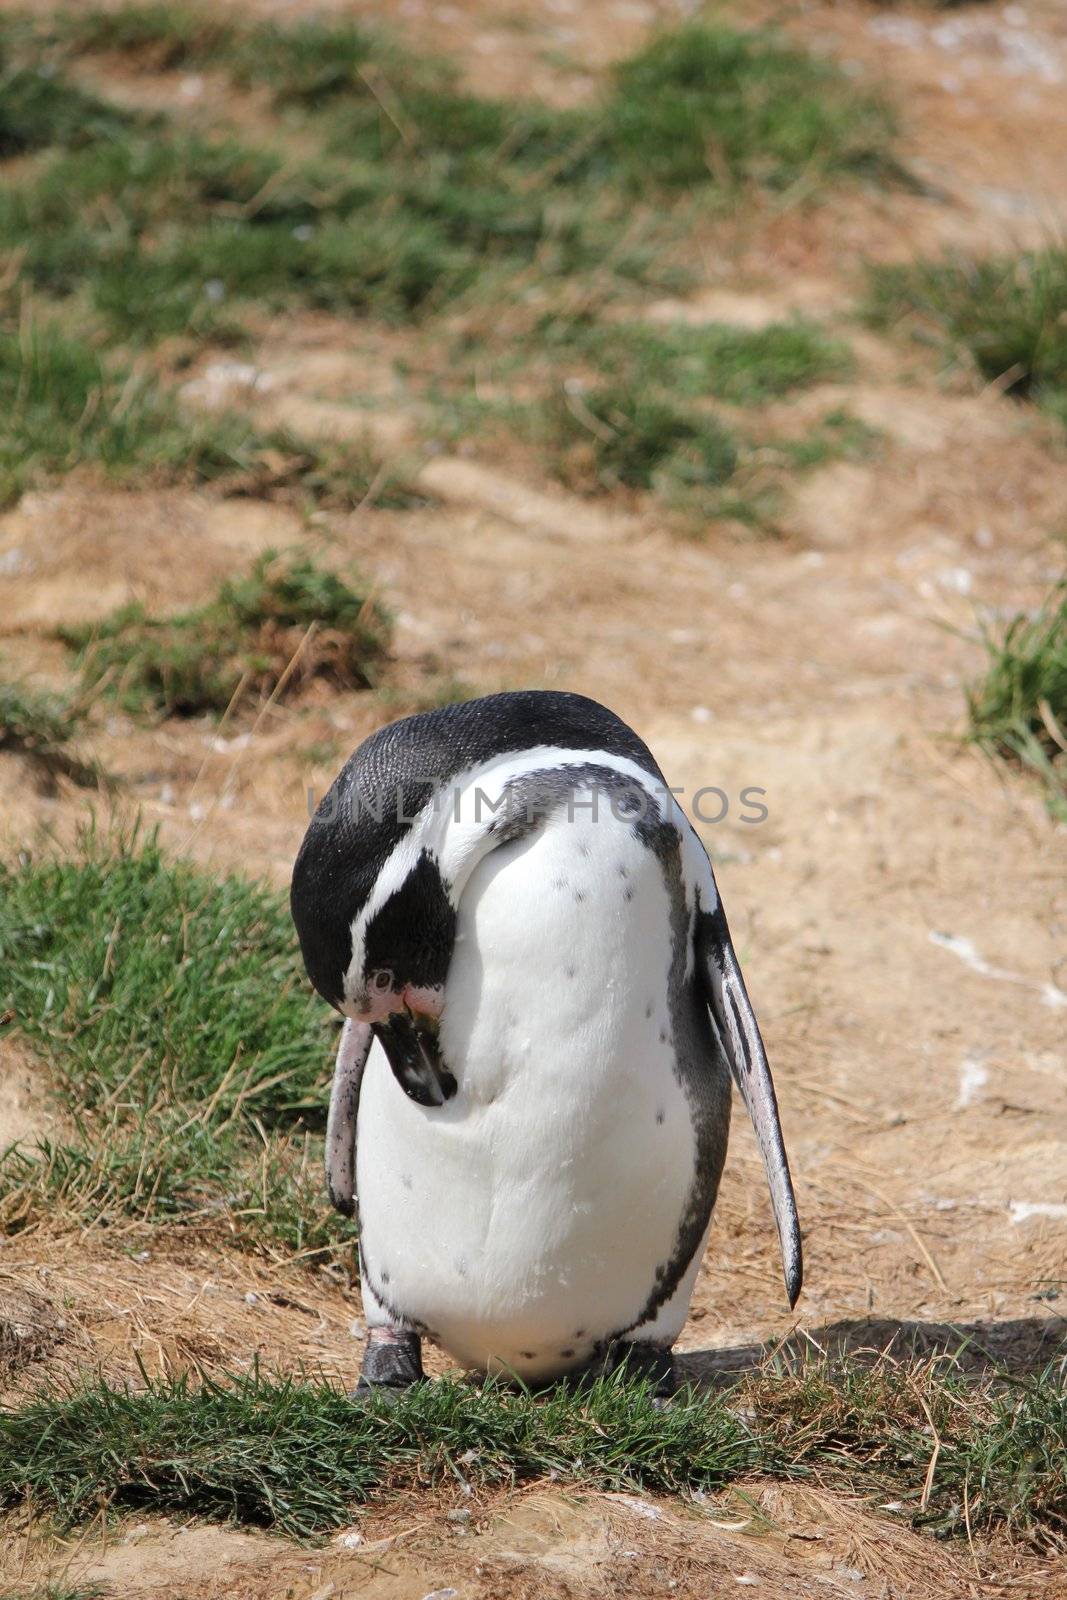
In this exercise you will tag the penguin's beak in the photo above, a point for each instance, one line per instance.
(410, 1041)
(739, 1034)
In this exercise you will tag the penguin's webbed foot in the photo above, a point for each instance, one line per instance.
(646, 1363)
(392, 1362)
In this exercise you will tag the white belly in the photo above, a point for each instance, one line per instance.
(524, 1222)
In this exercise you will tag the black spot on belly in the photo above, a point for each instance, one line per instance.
(663, 1036)
(460, 1266)
(567, 1352)
(629, 894)
(579, 1333)
(571, 972)
(406, 1180)
(383, 1276)
(660, 1114)
(528, 1355)
(623, 870)
(559, 883)
(649, 1009)
(579, 895)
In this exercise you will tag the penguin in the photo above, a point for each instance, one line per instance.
(543, 1012)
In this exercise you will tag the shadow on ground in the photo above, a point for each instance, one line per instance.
(1018, 1346)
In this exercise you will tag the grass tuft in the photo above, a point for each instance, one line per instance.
(704, 104)
(640, 441)
(160, 38)
(39, 109)
(62, 406)
(839, 435)
(1019, 709)
(625, 402)
(741, 366)
(298, 1455)
(184, 1042)
(124, 961)
(42, 727)
(1009, 315)
(288, 622)
(306, 63)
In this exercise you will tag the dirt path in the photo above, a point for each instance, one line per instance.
(901, 911)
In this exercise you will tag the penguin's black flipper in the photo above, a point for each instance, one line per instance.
(352, 1053)
(740, 1037)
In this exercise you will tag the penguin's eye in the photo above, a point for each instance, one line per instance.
(382, 980)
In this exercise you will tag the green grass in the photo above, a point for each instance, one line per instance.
(642, 442)
(306, 63)
(251, 640)
(123, 961)
(418, 193)
(62, 405)
(298, 1455)
(741, 366)
(708, 103)
(700, 104)
(170, 234)
(643, 439)
(161, 38)
(837, 436)
(410, 196)
(40, 108)
(183, 1041)
(1009, 315)
(1019, 708)
(625, 403)
(42, 728)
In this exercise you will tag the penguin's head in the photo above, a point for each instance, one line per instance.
(376, 920)
(376, 934)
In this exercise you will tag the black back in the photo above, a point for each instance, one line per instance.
(393, 775)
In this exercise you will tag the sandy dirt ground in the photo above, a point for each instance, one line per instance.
(901, 912)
